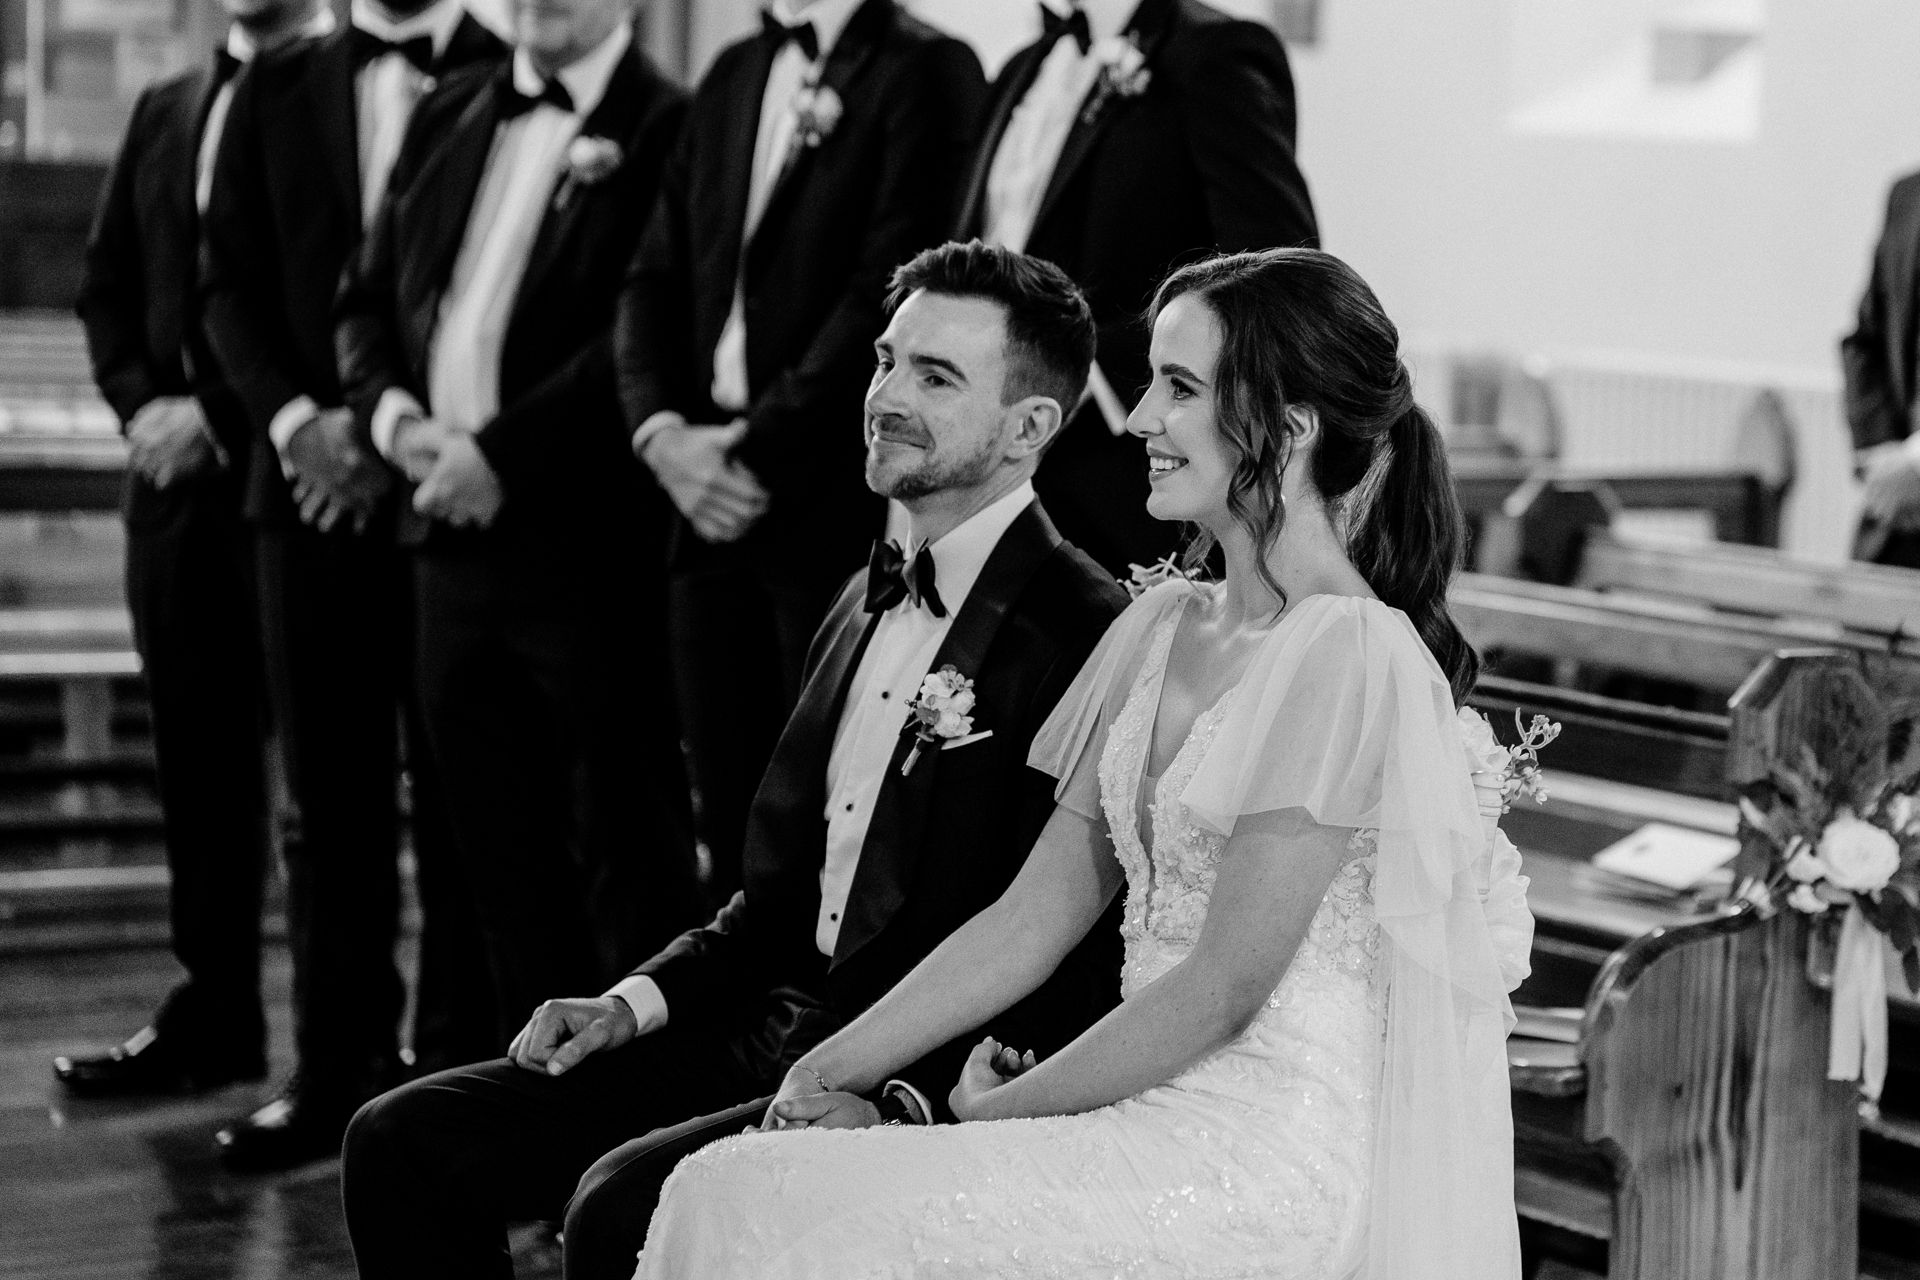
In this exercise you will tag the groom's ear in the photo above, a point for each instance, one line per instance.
(1036, 421)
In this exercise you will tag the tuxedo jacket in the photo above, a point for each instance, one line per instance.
(571, 483)
(880, 187)
(1201, 161)
(1879, 356)
(138, 298)
(945, 841)
(284, 218)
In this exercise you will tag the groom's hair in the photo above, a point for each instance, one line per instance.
(1050, 332)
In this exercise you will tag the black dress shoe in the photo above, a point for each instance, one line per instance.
(303, 1124)
(153, 1063)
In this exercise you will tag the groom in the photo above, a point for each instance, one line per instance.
(866, 846)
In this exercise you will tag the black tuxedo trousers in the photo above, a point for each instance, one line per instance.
(434, 1171)
(547, 708)
(337, 612)
(190, 590)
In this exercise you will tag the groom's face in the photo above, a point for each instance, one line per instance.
(934, 417)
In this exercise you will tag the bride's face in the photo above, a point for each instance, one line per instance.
(1189, 464)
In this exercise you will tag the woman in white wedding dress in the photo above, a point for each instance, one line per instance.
(1306, 1076)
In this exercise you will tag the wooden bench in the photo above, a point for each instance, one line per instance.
(1672, 1116)
(82, 651)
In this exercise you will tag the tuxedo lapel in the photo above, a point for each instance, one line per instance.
(186, 177)
(743, 126)
(624, 99)
(1147, 29)
(896, 836)
(330, 77)
(1015, 80)
(431, 218)
(470, 42)
(851, 52)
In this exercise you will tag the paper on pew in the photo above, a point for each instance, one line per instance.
(1672, 857)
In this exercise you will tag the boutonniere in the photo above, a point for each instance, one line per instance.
(940, 712)
(1123, 73)
(816, 111)
(590, 161)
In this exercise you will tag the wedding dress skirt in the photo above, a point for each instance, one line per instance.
(1256, 1161)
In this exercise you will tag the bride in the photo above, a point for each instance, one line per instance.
(1307, 1075)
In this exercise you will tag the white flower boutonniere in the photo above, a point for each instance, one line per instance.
(590, 161)
(941, 711)
(1123, 73)
(816, 112)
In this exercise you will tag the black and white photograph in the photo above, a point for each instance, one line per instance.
(950, 639)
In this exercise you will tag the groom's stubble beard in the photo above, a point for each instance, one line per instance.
(934, 474)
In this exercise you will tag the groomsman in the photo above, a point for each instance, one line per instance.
(818, 155)
(189, 564)
(1881, 359)
(309, 145)
(474, 339)
(1133, 136)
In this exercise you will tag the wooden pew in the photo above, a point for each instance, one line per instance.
(83, 651)
(1689, 1129)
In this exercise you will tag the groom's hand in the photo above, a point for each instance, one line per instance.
(562, 1032)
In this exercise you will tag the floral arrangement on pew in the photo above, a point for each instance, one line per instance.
(1831, 845)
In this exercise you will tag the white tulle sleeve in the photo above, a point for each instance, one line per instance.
(1345, 714)
(1069, 744)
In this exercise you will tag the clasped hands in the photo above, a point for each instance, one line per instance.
(803, 1104)
(456, 482)
(1892, 481)
(169, 440)
(719, 495)
(334, 477)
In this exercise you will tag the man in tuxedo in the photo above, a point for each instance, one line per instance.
(1881, 358)
(867, 845)
(308, 149)
(474, 337)
(1132, 137)
(189, 565)
(818, 155)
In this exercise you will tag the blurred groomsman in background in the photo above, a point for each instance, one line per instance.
(310, 141)
(475, 340)
(1879, 358)
(189, 565)
(1130, 138)
(818, 155)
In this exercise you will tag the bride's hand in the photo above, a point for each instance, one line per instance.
(989, 1066)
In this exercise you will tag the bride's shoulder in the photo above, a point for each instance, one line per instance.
(1340, 641)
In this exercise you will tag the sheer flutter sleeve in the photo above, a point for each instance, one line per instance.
(1345, 714)
(1069, 744)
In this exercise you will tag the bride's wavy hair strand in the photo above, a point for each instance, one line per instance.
(1301, 328)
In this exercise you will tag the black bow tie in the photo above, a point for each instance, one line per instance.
(801, 33)
(225, 66)
(891, 579)
(515, 103)
(367, 46)
(1054, 25)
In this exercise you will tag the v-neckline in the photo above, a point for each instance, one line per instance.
(1143, 798)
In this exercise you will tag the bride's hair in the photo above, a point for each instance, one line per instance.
(1300, 327)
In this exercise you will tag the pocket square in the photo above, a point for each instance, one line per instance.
(951, 743)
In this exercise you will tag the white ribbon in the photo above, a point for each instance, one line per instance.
(1857, 1041)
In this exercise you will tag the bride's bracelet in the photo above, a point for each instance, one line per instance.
(817, 1077)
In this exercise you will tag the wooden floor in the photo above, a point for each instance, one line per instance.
(113, 1190)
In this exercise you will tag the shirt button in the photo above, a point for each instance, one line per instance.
(833, 915)
(884, 695)
(849, 808)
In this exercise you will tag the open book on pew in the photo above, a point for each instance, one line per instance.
(1665, 863)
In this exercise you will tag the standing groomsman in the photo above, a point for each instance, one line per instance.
(189, 564)
(1133, 136)
(818, 155)
(475, 340)
(310, 142)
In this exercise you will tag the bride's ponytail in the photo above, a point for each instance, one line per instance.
(1408, 540)
(1299, 327)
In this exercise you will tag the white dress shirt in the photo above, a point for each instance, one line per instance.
(1030, 148)
(791, 70)
(386, 90)
(898, 657)
(516, 189)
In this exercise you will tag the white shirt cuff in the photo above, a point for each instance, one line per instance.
(652, 427)
(643, 996)
(294, 414)
(1911, 448)
(919, 1098)
(395, 403)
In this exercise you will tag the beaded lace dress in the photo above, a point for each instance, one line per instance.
(1255, 1161)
